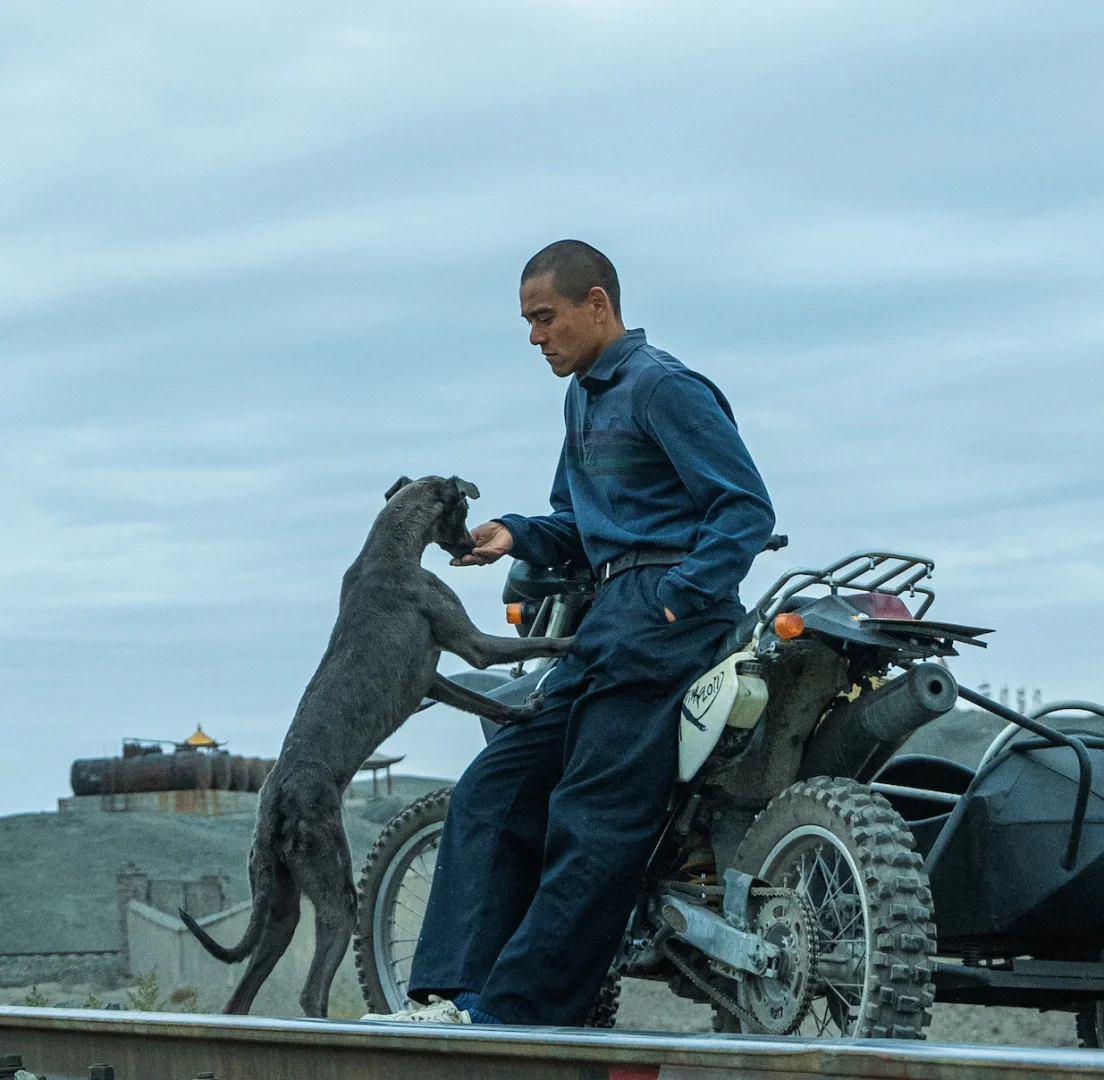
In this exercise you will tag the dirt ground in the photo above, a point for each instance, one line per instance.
(649, 1006)
(74, 996)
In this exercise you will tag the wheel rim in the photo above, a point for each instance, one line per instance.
(814, 861)
(400, 910)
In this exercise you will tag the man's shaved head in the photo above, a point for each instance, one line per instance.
(576, 268)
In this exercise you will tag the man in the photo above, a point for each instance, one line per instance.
(550, 828)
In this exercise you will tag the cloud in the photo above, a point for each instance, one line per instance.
(258, 262)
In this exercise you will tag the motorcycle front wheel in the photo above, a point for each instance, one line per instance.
(850, 854)
(391, 900)
(391, 903)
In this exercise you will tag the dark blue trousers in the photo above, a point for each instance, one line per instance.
(550, 828)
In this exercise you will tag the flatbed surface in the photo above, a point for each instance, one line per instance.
(63, 1043)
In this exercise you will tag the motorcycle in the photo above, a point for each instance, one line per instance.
(809, 878)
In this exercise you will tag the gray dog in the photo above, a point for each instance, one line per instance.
(394, 620)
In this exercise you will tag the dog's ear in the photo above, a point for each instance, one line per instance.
(465, 487)
(398, 485)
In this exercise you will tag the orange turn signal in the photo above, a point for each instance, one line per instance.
(789, 625)
(513, 614)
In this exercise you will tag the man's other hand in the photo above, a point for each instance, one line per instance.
(669, 613)
(492, 541)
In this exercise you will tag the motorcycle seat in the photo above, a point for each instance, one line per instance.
(534, 583)
(736, 638)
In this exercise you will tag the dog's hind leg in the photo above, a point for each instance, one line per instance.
(333, 929)
(331, 890)
(279, 928)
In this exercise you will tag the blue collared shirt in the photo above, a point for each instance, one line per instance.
(651, 458)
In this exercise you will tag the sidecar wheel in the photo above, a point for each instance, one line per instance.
(851, 855)
(1090, 1025)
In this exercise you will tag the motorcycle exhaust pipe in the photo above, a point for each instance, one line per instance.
(858, 737)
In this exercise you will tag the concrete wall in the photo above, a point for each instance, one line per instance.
(97, 969)
(160, 942)
(203, 803)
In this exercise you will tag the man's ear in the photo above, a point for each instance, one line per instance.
(465, 487)
(398, 485)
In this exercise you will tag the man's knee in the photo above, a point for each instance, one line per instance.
(484, 791)
(462, 801)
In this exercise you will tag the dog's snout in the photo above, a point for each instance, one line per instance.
(462, 545)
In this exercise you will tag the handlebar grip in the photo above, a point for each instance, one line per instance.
(777, 542)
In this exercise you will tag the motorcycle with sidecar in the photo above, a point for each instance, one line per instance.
(812, 879)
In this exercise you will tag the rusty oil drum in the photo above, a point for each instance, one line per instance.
(239, 773)
(182, 771)
(259, 768)
(221, 770)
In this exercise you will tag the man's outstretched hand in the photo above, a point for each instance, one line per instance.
(492, 541)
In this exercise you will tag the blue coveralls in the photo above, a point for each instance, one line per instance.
(550, 828)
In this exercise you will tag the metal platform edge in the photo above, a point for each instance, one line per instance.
(62, 1043)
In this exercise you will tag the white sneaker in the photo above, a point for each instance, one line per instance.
(438, 1011)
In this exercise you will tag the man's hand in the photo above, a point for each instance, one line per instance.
(669, 613)
(492, 541)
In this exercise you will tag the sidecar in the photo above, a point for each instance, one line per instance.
(1015, 853)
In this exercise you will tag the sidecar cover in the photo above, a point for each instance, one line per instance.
(996, 869)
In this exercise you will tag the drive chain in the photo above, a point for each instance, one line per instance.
(693, 889)
(717, 995)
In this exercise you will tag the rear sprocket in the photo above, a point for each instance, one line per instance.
(779, 1002)
(772, 1004)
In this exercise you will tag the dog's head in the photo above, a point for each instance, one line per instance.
(450, 495)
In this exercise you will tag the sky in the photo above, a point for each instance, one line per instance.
(257, 261)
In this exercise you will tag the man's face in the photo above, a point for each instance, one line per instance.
(569, 335)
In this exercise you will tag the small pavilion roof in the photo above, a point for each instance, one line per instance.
(199, 738)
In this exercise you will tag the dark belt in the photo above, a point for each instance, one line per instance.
(640, 557)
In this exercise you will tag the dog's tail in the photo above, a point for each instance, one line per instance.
(236, 952)
(262, 899)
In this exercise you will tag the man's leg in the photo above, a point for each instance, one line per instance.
(491, 853)
(621, 752)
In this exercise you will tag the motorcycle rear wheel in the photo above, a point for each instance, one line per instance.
(851, 855)
(392, 894)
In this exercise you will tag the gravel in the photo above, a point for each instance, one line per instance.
(650, 1006)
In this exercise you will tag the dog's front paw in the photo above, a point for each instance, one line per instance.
(519, 714)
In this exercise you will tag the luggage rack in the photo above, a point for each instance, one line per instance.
(889, 572)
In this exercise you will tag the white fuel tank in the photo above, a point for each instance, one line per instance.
(721, 696)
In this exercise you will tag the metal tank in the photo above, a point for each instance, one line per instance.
(182, 771)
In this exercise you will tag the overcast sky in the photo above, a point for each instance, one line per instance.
(257, 260)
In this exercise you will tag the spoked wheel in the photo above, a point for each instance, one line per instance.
(392, 896)
(849, 853)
